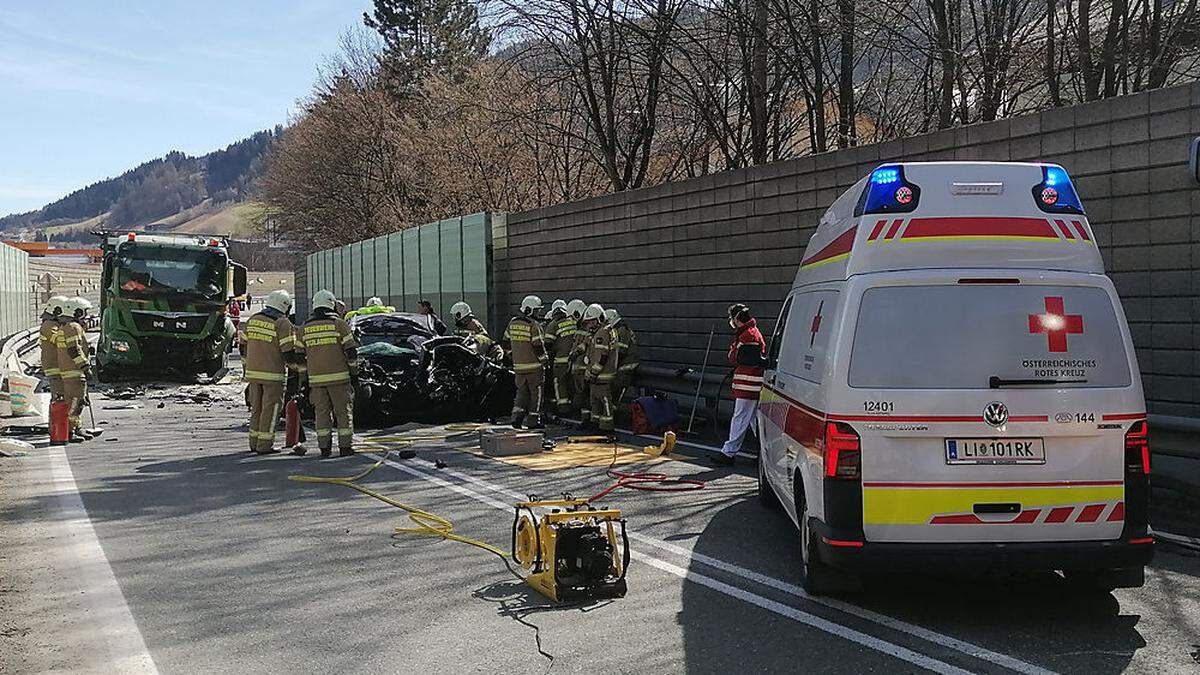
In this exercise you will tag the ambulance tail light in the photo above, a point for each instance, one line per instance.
(887, 191)
(1056, 194)
(1137, 449)
(843, 452)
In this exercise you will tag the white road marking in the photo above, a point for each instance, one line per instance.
(110, 615)
(871, 642)
(962, 646)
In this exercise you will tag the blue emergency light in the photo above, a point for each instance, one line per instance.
(888, 192)
(1056, 194)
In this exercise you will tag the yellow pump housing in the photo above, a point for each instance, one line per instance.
(570, 549)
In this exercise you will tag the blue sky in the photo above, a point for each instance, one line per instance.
(89, 89)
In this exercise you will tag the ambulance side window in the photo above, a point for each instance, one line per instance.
(804, 354)
(777, 335)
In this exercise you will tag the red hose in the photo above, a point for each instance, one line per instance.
(645, 481)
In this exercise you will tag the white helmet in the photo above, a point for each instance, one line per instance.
(56, 305)
(325, 299)
(611, 317)
(77, 307)
(594, 312)
(279, 300)
(460, 311)
(558, 307)
(375, 302)
(576, 308)
(530, 304)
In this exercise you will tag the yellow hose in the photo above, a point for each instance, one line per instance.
(427, 523)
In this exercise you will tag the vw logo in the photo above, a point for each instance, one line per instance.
(995, 414)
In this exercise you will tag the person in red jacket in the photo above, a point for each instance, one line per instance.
(747, 352)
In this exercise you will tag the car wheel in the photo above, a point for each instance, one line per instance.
(766, 493)
(816, 577)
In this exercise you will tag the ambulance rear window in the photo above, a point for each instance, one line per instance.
(962, 336)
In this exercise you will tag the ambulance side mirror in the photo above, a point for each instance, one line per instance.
(1194, 160)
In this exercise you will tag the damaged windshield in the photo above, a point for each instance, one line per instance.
(156, 272)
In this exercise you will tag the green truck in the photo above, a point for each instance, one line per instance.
(163, 303)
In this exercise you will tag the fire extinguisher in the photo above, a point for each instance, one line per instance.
(60, 423)
(292, 431)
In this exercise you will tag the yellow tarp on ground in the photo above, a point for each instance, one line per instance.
(565, 455)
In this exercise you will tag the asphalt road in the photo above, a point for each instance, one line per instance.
(219, 564)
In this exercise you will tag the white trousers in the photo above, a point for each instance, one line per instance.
(743, 417)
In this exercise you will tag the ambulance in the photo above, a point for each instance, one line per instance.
(951, 386)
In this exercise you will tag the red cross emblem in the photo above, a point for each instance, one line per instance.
(816, 324)
(1056, 324)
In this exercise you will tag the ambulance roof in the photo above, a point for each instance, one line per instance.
(923, 215)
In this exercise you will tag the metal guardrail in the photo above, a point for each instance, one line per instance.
(15, 346)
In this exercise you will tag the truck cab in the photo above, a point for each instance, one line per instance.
(952, 385)
(163, 303)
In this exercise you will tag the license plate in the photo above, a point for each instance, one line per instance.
(995, 451)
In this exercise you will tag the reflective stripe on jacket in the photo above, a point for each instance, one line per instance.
(48, 341)
(526, 344)
(747, 380)
(327, 344)
(267, 340)
(71, 348)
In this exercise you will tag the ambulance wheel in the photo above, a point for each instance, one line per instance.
(816, 577)
(1106, 580)
(766, 493)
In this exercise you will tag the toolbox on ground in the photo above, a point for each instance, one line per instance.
(505, 442)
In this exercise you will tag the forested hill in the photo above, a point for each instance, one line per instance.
(156, 190)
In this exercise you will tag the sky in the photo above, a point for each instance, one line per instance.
(91, 88)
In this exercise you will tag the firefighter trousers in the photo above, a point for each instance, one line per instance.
(564, 388)
(74, 392)
(55, 384)
(334, 406)
(579, 390)
(266, 400)
(601, 404)
(529, 397)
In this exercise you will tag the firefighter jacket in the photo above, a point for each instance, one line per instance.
(329, 349)
(72, 351)
(375, 309)
(601, 359)
(526, 344)
(270, 345)
(48, 341)
(625, 347)
(471, 328)
(561, 336)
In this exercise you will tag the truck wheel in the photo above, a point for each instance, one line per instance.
(105, 374)
(816, 577)
(216, 365)
(766, 493)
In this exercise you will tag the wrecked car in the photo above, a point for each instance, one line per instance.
(409, 373)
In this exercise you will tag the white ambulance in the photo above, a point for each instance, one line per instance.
(952, 385)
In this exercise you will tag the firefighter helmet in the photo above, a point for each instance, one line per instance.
(324, 299)
(77, 307)
(594, 312)
(530, 304)
(576, 308)
(558, 307)
(611, 317)
(375, 302)
(460, 311)
(279, 300)
(56, 305)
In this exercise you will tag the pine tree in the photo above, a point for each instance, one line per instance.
(424, 38)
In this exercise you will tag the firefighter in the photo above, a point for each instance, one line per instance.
(526, 344)
(626, 350)
(331, 355)
(374, 306)
(575, 355)
(601, 365)
(73, 363)
(48, 341)
(270, 351)
(468, 327)
(560, 336)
